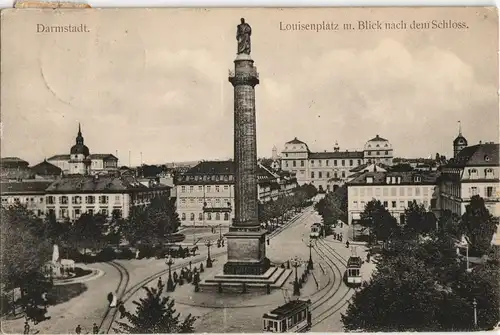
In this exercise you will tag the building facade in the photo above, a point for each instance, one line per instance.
(473, 171)
(80, 161)
(30, 194)
(395, 190)
(205, 193)
(329, 169)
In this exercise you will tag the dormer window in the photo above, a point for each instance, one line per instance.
(378, 146)
(488, 173)
(487, 158)
(369, 180)
(417, 179)
(387, 180)
(472, 173)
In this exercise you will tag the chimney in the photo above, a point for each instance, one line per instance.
(480, 142)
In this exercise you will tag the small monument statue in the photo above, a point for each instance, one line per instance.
(243, 33)
(56, 264)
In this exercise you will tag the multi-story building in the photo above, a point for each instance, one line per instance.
(205, 193)
(29, 193)
(473, 171)
(329, 169)
(80, 161)
(14, 169)
(395, 190)
(74, 195)
(47, 171)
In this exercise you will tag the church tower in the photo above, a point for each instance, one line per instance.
(79, 160)
(460, 142)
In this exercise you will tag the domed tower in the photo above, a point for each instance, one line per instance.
(460, 142)
(79, 160)
(336, 148)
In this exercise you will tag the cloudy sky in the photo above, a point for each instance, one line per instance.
(155, 81)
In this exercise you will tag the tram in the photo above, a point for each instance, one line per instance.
(353, 273)
(316, 230)
(292, 317)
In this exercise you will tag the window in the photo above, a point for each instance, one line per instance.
(377, 192)
(209, 188)
(209, 216)
(488, 173)
(183, 201)
(217, 201)
(335, 175)
(320, 174)
(50, 200)
(301, 163)
(355, 204)
(426, 191)
(417, 191)
(335, 162)
(183, 216)
(77, 213)
(191, 189)
(217, 188)
(386, 204)
(394, 204)
(409, 203)
(217, 216)
(394, 191)
(489, 191)
(369, 192)
(312, 174)
(350, 162)
(426, 203)
(417, 179)
(473, 173)
(378, 153)
(401, 204)
(286, 163)
(103, 199)
(354, 191)
(90, 211)
(362, 205)
(327, 162)
(63, 200)
(385, 191)
(402, 191)
(362, 192)
(369, 153)
(191, 200)
(319, 163)
(90, 199)
(200, 188)
(226, 217)
(183, 189)
(294, 163)
(409, 191)
(312, 163)
(76, 200)
(473, 191)
(343, 162)
(328, 174)
(104, 211)
(343, 174)
(192, 216)
(226, 187)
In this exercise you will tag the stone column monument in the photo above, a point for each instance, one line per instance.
(245, 240)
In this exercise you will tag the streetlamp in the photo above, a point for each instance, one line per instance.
(220, 232)
(170, 282)
(208, 243)
(296, 289)
(310, 264)
(474, 303)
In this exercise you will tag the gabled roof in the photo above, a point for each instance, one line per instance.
(295, 141)
(212, 167)
(24, 187)
(100, 184)
(336, 154)
(59, 158)
(378, 138)
(407, 178)
(45, 168)
(485, 154)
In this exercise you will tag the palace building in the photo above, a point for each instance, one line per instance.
(81, 161)
(205, 193)
(329, 169)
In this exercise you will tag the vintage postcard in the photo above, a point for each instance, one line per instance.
(249, 170)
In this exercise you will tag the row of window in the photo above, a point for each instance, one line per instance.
(204, 200)
(320, 162)
(208, 216)
(209, 188)
(490, 191)
(488, 173)
(386, 204)
(76, 213)
(326, 174)
(22, 200)
(377, 153)
(206, 177)
(76, 200)
(390, 191)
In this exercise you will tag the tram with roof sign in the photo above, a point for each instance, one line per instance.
(353, 272)
(316, 230)
(292, 317)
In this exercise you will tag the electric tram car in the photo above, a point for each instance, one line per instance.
(292, 317)
(353, 273)
(316, 230)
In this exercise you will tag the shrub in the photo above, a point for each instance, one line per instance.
(146, 251)
(125, 253)
(106, 255)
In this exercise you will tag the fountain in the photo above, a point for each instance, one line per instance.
(60, 268)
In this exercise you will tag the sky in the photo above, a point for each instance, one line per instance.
(155, 81)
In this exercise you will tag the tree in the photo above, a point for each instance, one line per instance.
(418, 221)
(155, 314)
(379, 221)
(449, 224)
(479, 225)
(24, 255)
(88, 231)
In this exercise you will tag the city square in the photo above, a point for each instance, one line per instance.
(223, 236)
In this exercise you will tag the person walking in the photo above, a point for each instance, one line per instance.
(78, 329)
(121, 309)
(26, 327)
(347, 244)
(95, 329)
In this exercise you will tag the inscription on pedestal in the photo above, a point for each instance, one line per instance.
(244, 249)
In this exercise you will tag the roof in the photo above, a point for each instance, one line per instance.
(92, 156)
(336, 154)
(101, 184)
(45, 168)
(295, 141)
(407, 178)
(13, 160)
(354, 261)
(24, 187)
(458, 139)
(22, 173)
(485, 154)
(378, 138)
(289, 308)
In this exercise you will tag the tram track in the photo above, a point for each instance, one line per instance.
(109, 317)
(341, 301)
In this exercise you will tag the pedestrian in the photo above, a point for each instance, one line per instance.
(78, 329)
(26, 327)
(190, 264)
(268, 241)
(110, 298)
(160, 283)
(121, 309)
(347, 244)
(95, 329)
(222, 242)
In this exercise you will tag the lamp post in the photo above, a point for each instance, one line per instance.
(310, 264)
(474, 303)
(467, 259)
(208, 243)
(170, 282)
(296, 289)
(220, 232)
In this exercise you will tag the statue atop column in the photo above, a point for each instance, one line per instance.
(243, 37)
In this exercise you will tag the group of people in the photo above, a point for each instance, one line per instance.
(338, 236)
(95, 329)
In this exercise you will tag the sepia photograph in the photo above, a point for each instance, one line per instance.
(249, 170)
